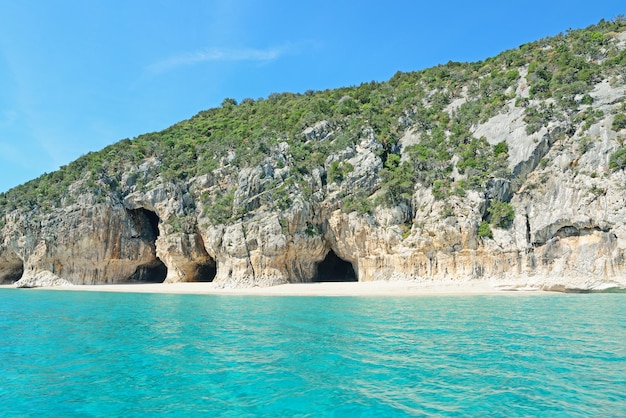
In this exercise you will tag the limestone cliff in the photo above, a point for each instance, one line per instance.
(507, 170)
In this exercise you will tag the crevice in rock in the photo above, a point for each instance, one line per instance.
(334, 269)
(545, 235)
(153, 272)
(11, 269)
(572, 231)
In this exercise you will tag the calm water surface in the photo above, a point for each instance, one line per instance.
(113, 354)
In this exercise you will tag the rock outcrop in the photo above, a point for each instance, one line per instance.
(568, 231)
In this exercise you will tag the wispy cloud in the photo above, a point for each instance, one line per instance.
(223, 55)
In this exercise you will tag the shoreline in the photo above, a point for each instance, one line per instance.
(375, 288)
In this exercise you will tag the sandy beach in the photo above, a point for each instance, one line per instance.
(379, 288)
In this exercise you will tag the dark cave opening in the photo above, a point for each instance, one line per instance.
(12, 270)
(147, 224)
(205, 271)
(334, 269)
(153, 220)
(154, 272)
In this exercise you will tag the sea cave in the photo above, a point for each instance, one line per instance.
(204, 271)
(12, 270)
(153, 272)
(147, 223)
(334, 269)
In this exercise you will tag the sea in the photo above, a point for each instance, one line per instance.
(98, 354)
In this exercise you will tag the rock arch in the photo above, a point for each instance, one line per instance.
(186, 258)
(334, 269)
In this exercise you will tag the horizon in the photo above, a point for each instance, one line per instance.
(79, 77)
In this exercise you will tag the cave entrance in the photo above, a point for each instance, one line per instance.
(334, 269)
(11, 269)
(146, 222)
(153, 220)
(154, 272)
(204, 271)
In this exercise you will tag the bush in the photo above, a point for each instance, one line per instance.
(484, 230)
(619, 122)
(441, 189)
(348, 107)
(334, 173)
(338, 171)
(586, 100)
(358, 202)
(398, 181)
(221, 209)
(617, 161)
(501, 148)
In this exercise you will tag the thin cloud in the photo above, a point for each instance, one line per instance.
(222, 55)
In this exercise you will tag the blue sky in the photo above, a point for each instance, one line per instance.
(77, 75)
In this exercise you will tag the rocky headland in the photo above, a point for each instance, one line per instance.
(509, 170)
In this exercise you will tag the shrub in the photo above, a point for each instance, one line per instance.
(501, 148)
(348, 107)
(334, 173)
(358, 202)
(399, 179)
(484, 230)
(337, 171)
(221, 210)
(617, 161)
(586, 100)
(441, 189)
(459, 191)
(619, 122)
(584, 144)
(502, 213)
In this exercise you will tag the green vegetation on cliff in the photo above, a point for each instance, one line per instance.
(310, 134)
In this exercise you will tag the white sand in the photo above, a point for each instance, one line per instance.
(378, 288)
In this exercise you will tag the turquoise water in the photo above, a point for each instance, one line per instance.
(113, 354)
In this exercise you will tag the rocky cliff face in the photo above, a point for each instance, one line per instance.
(568, 230)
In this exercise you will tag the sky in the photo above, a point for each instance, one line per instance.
(78, 75)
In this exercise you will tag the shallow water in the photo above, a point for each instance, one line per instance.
(123, 354)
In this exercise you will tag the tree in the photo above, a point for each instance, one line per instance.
(399, 179)
(229, 102)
